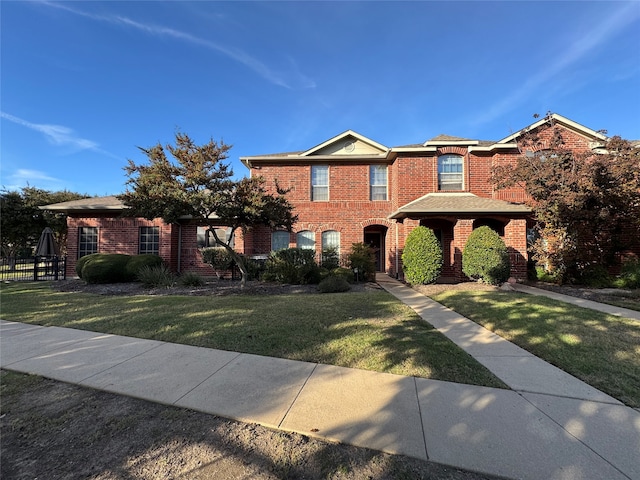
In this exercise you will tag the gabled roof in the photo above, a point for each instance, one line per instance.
(581, 129)
(457, 204)
(344, 142)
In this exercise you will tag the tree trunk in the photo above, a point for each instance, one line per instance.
(239, 259)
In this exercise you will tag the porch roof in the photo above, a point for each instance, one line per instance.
(458, 204)
(100, 204)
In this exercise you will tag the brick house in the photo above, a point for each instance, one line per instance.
(352, 189)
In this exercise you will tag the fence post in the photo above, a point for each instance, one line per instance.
(35, 269)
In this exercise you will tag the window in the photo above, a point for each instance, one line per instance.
(206, 239)
(330, 249)
(87, 241)
(279, 240)
(320, 183)
(378, 181)
(306, 239)
(450, 172)
(149, 240)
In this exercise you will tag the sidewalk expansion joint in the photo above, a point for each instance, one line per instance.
(424, 435)
(296, 397)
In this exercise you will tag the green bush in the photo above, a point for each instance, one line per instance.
(292, 265)
(82, 260)
(362, 257)
(422, 256)
(218, 257)
(106, 268)
(544, 276)
(485, 257)
(333, 284)
(344, 273)
(629, 275)
(330, 258)
(157, 276)
(136, 262)
(595, 276)
(191, 279)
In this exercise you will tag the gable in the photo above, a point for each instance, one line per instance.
(348, 143)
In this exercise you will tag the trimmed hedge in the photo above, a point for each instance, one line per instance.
(485, 257)
(334, 284)
(422, 256)
(106, 268)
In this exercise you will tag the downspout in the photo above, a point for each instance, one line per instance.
(397, 260)
(179, 247)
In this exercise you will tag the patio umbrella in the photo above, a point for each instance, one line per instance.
(47, 246)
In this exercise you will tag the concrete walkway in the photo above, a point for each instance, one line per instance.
(550, 426)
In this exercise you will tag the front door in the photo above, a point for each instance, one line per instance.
(375, 241)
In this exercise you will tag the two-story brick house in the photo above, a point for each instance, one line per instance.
(352, 189)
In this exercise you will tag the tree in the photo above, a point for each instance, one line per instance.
(584, 203)
(22, 220)
(198, 184)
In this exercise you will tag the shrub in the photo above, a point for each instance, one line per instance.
(136, 262)
(333, 284)
(595, 276)
(485, 257)
(345, 273)
(157, 276)
(292, 265)
(544, 276)
(106, 268)
(218, 257)
(191, 279)
(422, 256)
(330, 258)
(82, 261)
(630, 274)
(362, 257)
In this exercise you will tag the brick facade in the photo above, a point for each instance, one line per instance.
(411, 174)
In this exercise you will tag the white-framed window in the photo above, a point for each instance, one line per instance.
(87, 241)
(450, 172)
(306, 239)
(378, 182)
(149, 240)
(320, 183)
(279, 240)
(331, 239)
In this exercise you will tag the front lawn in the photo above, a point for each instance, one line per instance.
(602, 350)
(369, 330)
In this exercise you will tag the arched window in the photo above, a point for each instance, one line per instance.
(450, 172)
(330, 248)
(306, 239)
(279, 240)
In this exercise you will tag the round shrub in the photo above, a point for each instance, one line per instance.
(344, 273)
(334, 284)
(106, 268)
(136, 262)
(218, 257)
(485, 257)
(422, 256)
(82, 260)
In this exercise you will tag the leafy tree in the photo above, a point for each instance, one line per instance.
(197, 183)
(22, 221)
(485, 256)
(422, 256)
(583, 202)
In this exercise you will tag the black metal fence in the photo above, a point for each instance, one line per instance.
(33, 269)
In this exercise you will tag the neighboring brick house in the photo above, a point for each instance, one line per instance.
(352, 189)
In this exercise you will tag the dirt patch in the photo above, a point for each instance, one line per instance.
(55, 430)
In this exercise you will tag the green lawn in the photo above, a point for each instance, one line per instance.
(368, 330)
(602, 350)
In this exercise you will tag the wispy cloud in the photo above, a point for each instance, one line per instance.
(597, 34)
(23, 177)
(58, 135)
(287, 79)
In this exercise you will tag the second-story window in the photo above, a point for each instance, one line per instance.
(378, 182)
(450, 172)
(320, 183)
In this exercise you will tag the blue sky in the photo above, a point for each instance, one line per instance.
(84, 83)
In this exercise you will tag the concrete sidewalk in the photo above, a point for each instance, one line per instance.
(550, 426)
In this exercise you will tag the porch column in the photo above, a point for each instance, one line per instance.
(515, 237)
(461, 231)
